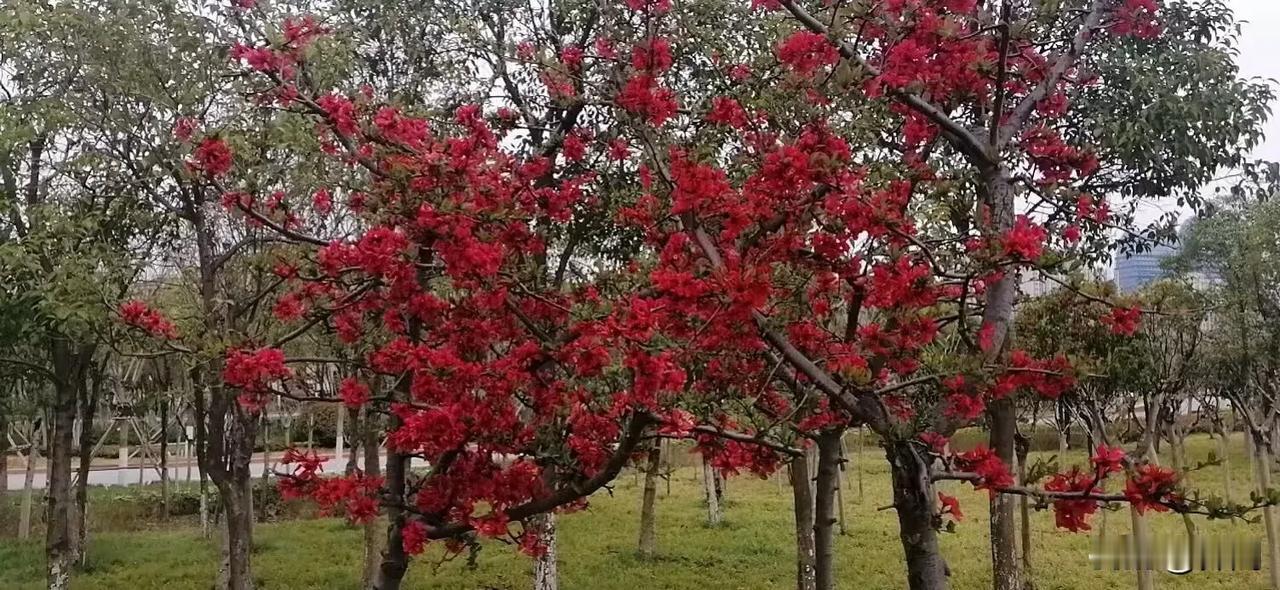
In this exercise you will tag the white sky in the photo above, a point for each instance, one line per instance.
(1259, 58)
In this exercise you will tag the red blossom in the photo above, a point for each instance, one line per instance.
(213, 157)
(414, 537)
(727, 111)
(1150, 487)
(1073, 514)
(937, 442)
(642, 95)
(354, 393)
(950, 507)
(1108, 459)
(805, 52)
(652, 56)
(993, 474)
(1123, 320)
(137, 314)
(1025, 240)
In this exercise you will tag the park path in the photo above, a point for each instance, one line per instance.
(108, 474)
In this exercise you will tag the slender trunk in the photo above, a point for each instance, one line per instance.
(1262, 465)
(88, 412)
(235, 490)
(1004, 532)
(372, 468)
(1141, 551)
(824, 508)
(238, 541)
(858, 464)
(913, 499)
(545, 573)
(999, 195)
(28, 483)
(394, 561)
(1024, 507)
(648, 526)
(164, 458)
(1062, 445)
(1224, 450)
(68, 364)
(803, 501)
(4, 447)
(714, 515)
(720, 486)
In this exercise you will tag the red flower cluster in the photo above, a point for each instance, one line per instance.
(212, 157)
(1108, 459)
(950, 507)
(139, 315)
(804, 52)
(652, 56)
(642, 95)
(1025, 240)
(993, 474)
(1151, 487)
(253, 372)
(354, 394)
(1073, 514)
(1049, 378)
(1138, 19)
(1123, 320)
(726, 111)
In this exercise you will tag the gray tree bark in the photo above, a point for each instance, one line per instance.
(806, 577)
(648, 520)
(824, 508)
(913, 498)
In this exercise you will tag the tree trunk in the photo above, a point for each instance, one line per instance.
(648, 521)
(803, 501)
(1224, 450)
(999, 195)
(164, 458)
(28, 483)
(1004, 533)
(394, 561)
(824, 508)
(545, 573)
(1024, 507)
(1141, 551)
(68, 364)
(88, 412)
(714, 515)
(372, 468)
(1262, 465)
(913, 498)
(4, 447)
(237, 505)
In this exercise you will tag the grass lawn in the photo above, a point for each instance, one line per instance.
(752, 551)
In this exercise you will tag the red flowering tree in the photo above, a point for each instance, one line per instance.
(783, 261)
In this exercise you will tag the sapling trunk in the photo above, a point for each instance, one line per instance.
(803, 507)
(828, 480)
(648, 524)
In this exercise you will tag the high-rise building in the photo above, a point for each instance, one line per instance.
(1136, 270)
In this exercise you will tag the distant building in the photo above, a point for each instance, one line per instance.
(1138, 269)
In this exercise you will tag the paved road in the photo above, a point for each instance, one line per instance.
(116, 476)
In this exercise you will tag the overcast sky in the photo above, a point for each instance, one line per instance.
(1260, 55)
(1259, 58)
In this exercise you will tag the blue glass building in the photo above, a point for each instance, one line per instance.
(1137, 270)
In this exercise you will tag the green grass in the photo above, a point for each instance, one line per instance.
(752, 551)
